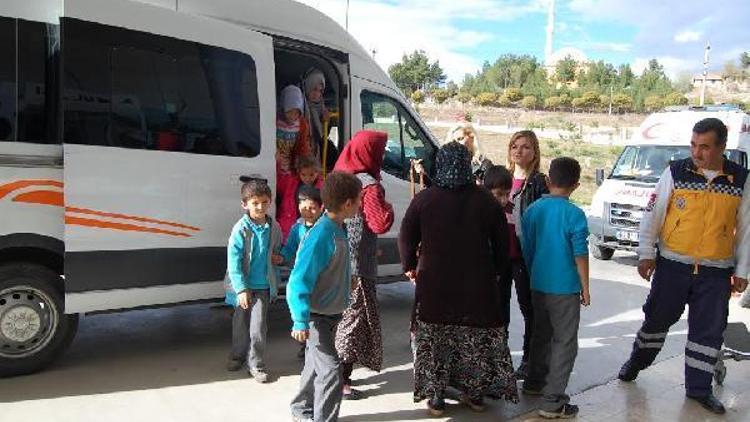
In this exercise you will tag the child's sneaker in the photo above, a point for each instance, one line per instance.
(259, 375)
(566, 411)
(234, 365)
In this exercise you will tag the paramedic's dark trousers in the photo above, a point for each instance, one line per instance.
(249, 329)
(707, 295)
(321, 383)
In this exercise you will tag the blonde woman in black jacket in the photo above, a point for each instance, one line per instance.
(529, 184)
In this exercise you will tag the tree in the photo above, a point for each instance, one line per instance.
(486, 99)
(529, 102)
(653, 103)
(625, 76)
(675, 98)
(440, 95)
(731, 71)
(552, 103)
(463, 97)
(513, 94)
(597, 75)
(578, 103)
(745, 60)
(684, 82)
(417, 97)
(416, 72)
(565, 69)
(452, 89)
(622, 103)
(590, 100)
(503, 101)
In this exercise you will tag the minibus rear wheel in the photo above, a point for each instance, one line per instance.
(34, 328)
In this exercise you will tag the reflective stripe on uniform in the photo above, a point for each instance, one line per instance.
(699, 365)
(652, 336)
(645, 345)
(704, 350)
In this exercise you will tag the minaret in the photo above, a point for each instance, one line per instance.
(550, 33)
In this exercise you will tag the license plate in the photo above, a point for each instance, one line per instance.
(629, 236)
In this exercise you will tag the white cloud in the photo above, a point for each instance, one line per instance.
(397, 27)
(688, 36)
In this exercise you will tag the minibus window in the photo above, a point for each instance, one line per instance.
(7, 79)
(158, 93)
(37, 64)
(406, 140)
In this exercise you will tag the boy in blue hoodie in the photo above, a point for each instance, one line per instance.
(318, 293)
(252, 279)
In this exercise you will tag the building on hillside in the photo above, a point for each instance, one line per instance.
(713, 80)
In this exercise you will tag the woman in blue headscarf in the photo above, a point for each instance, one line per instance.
(460, 327)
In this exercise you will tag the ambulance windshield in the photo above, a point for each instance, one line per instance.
(647, 163)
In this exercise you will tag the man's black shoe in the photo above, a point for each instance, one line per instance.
(710, 403)
(628, 372)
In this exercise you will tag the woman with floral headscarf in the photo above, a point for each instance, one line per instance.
(462, 238)
(316, 114)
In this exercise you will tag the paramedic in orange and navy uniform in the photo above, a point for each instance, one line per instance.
(700, 214)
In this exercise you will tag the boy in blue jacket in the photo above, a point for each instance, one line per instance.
(252, 279)
(310, 207)
(555, 248)
(318, 293)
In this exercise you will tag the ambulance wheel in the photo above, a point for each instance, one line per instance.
(602, 253)
(720, 372)
(34, 329)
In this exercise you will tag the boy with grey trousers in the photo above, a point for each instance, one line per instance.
(252, 279)
(318, 293)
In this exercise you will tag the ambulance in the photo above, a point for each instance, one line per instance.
(618, 204)
(125, 127)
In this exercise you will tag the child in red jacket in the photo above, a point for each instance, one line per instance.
(287, 190)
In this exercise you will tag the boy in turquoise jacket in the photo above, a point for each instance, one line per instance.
(252, 279)
(318, 293)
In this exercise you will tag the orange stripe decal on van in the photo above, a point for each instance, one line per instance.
(14, 186)
(42, 197)
(129, 217)
(88, 222)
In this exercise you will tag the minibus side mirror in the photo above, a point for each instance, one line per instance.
(599, 177)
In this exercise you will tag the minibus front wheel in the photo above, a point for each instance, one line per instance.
(34, 328)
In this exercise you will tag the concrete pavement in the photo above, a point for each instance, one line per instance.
(168, 364)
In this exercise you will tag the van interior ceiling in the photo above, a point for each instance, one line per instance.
(292, 64)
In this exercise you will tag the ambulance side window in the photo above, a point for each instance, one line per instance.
(137, 90)
(406, 140)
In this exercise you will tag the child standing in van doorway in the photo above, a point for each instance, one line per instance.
(317, 294)
(252, 278)
(555, 247)
(292, 131)
(288, 187)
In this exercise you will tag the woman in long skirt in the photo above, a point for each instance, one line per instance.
(460, 271)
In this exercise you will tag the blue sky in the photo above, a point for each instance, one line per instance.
(462, 34)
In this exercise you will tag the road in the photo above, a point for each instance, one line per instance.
(168, 364)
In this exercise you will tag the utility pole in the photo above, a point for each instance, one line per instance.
(611, 90)
(705, 73)
(347, 16)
